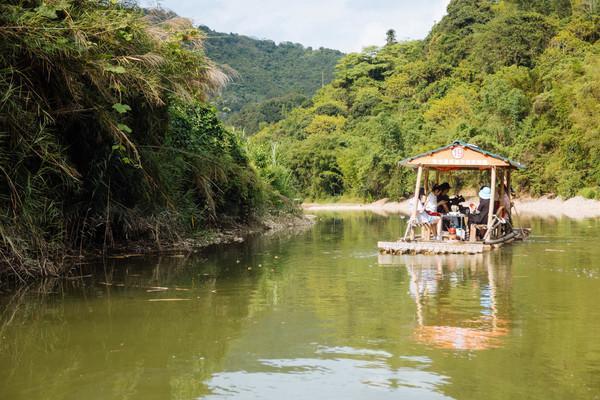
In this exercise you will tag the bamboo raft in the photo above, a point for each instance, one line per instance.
(449, 247)
(496, 232)
(441, 247)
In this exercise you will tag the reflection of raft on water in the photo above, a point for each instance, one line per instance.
(497, 231)
(440, 323)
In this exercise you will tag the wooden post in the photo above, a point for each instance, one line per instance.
(508, 193)
(501, 179)
(426, 179)
(492, 200)
(501, 175)
(417, 187)
(410, 230)
(473, 233)
(437, 177)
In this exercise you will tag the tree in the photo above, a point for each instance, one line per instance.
(515, 38)
(390, 37)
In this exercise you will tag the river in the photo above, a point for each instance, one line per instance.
(317, 315)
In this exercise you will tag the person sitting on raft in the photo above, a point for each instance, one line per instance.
(443, 200)
(431, 209)
(505, 204)
(425, 215)
(480, 215)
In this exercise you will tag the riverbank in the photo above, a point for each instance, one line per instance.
(63, 266)
(234, 234)
(576, 207)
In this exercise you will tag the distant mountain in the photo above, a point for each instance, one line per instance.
(283, 74)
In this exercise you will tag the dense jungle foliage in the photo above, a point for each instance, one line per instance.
(517, 77)
(105, 135)
(268, 78)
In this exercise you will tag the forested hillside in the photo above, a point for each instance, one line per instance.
(106, 136)
(517, 77)
(283, 75)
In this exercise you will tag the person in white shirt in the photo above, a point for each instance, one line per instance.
(431, 203)
(427, 213)
(431, 208)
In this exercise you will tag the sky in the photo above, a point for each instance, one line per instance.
(346, 25)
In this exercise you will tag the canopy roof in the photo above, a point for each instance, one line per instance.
(460, 155)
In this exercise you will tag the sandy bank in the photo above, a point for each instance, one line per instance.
(576, 207)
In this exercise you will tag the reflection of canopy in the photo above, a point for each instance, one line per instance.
(480, 333)
(453, 337)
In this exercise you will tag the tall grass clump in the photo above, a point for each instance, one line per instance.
(104, 135)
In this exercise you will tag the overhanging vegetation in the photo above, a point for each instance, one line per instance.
(104, 134)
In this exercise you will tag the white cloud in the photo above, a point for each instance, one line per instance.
(347, 25)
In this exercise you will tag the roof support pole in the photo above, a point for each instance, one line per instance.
(416, 198)
(410, 229)
(501, 178)
(426, 179)
(507, 178)
(492, 201)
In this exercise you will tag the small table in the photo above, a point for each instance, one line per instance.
(456, 220)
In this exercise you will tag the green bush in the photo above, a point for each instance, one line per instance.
(590, 193)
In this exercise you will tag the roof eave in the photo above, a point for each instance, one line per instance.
(514, 164)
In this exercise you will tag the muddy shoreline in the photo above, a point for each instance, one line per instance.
(575, 208)
(236, 234)
(65, 266)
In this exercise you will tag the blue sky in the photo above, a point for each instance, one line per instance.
(347, 25)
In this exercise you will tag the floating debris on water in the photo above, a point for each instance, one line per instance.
(156, 300)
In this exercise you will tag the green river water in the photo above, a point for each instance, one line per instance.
(317, 315)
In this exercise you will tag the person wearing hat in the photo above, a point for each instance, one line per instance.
(480, 215)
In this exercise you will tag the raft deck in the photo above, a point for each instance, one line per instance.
(433, 247)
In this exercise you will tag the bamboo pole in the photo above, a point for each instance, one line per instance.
(492, 200)
(417, 187)
(413, 217)
(508, 192)
(501, 177)
(426, 179)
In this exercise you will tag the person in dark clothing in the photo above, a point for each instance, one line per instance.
(483, 209)
(443, 198)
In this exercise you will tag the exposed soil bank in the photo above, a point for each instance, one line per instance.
(237, 234)
(576, 207)
(61, 267)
